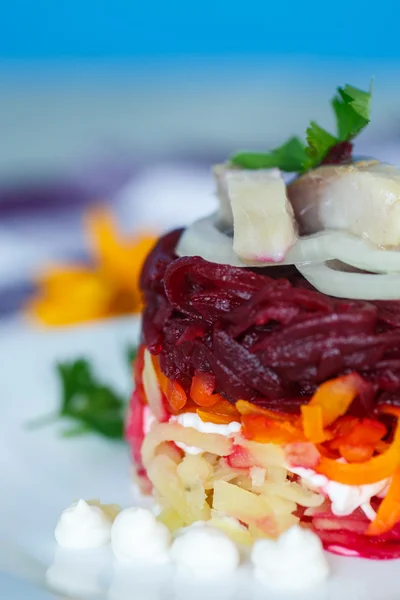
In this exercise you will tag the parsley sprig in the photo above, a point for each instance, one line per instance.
(93, 406)
(352, 111)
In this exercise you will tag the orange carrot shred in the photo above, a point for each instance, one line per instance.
(389, 511)
(313, 424)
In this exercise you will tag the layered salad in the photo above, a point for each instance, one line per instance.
(268, 376)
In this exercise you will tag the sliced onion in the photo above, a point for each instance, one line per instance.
(344, 284)
(309, 249)
(357, 252)
(203, 238)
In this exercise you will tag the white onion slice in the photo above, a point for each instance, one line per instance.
(204, 239)
(357, 252)
(358, 286)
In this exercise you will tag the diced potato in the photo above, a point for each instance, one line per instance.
(243, 505)
(211, 458)
(197, 497)
(222, 471)
(279, 505)
(164, 432)
(282, 522)
(294, 492)
(192, 472)
(231, 526)
(285, 521)
(159, 502)
(171, 450)
(263, 455)
(171, 519)
(244, 482)
(189, 505)
(276, 474)
(226, 475)
(194, 468)
(256, 533)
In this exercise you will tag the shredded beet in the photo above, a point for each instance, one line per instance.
(342, 535)
(265, 334)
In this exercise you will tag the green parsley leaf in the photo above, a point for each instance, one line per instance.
(96, 407)
(289, 157)
(93, 406)
(319, 143)
(352, 110)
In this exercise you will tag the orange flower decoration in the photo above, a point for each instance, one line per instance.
(70, 294)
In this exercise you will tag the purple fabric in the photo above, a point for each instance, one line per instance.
(12, 298)
(27, 199)
(73, 191)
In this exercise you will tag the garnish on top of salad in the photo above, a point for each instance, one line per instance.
(352, 111)
(337, 220)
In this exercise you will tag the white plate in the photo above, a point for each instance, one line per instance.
(20, 589)
(42, 473)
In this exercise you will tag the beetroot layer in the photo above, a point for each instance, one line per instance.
(345, 535)
(270, 340)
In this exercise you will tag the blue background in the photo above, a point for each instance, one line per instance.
(73, 29)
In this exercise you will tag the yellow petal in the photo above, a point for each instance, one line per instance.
(71, 294)
(58, 278)
(121, 259)
(85, 301)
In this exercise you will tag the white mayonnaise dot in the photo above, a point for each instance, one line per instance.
(295, 561)
(137, 535)
(83, 525)
(205, 552)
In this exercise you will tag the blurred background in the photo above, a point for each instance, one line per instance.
(127, 104)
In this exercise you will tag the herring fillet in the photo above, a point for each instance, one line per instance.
(263, 223)
(362, 198)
